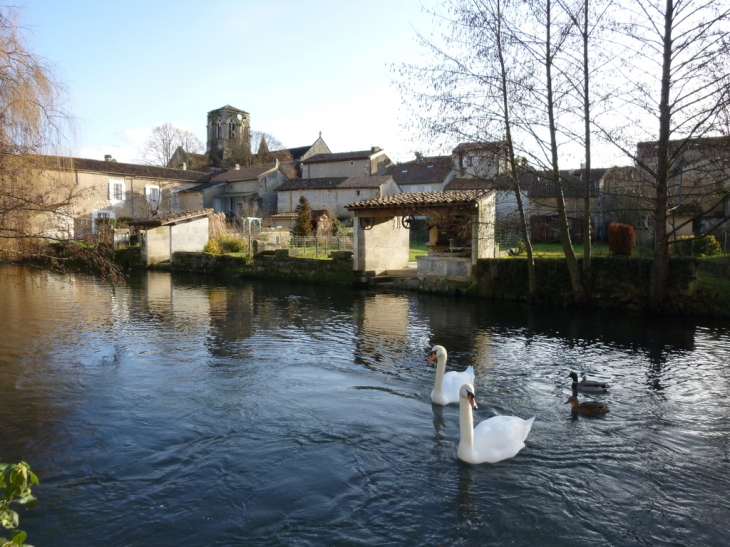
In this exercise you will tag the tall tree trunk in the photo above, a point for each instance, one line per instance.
(660, 264)
(587, 171)
(532, 278)
(570, 258)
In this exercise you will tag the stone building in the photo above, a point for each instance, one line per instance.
(108, 190)
(362, 163)
(333, 193)
(229, 134)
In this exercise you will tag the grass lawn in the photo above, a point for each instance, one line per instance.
(541, 250)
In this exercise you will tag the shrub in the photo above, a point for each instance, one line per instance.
(691, 246)
(230, 243)
(226, 243)
(212, 247)
(620, 239)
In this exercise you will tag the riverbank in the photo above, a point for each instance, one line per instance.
(696, 287)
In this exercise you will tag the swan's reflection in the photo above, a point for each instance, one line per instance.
(438, 419)
(465, 508)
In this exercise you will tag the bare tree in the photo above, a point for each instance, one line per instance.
(675, 62)
(160, 146)
(36, 199)
(470, 91)
(272, 143)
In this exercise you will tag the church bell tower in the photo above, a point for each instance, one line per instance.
(229, 134)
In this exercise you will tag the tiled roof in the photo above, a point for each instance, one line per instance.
(543, 187)
(365, 182)
(502, 182)
(326, 183)
(124, 169)
(330, 183)
(430, 170)
(170, 218)
(201, 187)
(468, 146)
(420, 199)
(298, 152)
(248, 173)
(342, 156)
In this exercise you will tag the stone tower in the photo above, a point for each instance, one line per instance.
(229, 134)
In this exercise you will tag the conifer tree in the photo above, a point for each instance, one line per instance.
(303, 224)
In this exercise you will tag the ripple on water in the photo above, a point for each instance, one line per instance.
(192, 413)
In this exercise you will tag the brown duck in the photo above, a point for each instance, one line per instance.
(587, 407)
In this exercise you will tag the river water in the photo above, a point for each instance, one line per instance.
(183, 411)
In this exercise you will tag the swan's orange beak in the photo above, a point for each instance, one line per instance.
(431, 357)
(472, 400)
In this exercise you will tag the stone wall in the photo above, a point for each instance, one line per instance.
(266, 267)
(383, 247)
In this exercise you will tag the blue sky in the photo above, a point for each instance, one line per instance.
(297, 67)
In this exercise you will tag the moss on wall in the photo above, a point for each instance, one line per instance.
(617, 282)
(266, 267)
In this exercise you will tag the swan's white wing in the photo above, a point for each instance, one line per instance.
(454, 380)
(500, 437)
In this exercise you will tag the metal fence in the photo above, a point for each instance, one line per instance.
(320, 245)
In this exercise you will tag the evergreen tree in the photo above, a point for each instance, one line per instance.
(303, 224)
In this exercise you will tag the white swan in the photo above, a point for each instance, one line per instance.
(447, 384)
(493, 440)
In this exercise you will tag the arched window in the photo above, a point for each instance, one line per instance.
(219, 130)
(231, 129)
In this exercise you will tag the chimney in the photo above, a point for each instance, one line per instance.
(419, 157)
(375, 149)
(108, 157)
(238, 167)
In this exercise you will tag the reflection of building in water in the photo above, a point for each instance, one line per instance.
(385, 316)
(175, 301)
(382, 322)
(483, 351)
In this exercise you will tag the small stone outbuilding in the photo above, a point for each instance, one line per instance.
(163, 235)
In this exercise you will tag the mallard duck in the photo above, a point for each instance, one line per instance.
(587, 407)
(587, 385)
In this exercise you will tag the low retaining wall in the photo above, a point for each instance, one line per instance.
(617, 282)
(338, 271)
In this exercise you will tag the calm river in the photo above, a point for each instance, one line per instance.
(182, 411)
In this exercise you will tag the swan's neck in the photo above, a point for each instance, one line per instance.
(440, 371)
(466, 426)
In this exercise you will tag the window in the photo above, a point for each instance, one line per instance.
(116, 190)
(231, 129)
(219, 130)
(152, 195)
(465, 162)
(475, 161)
(357, 192)
(100, 214)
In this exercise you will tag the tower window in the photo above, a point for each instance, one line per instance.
(231, 129)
